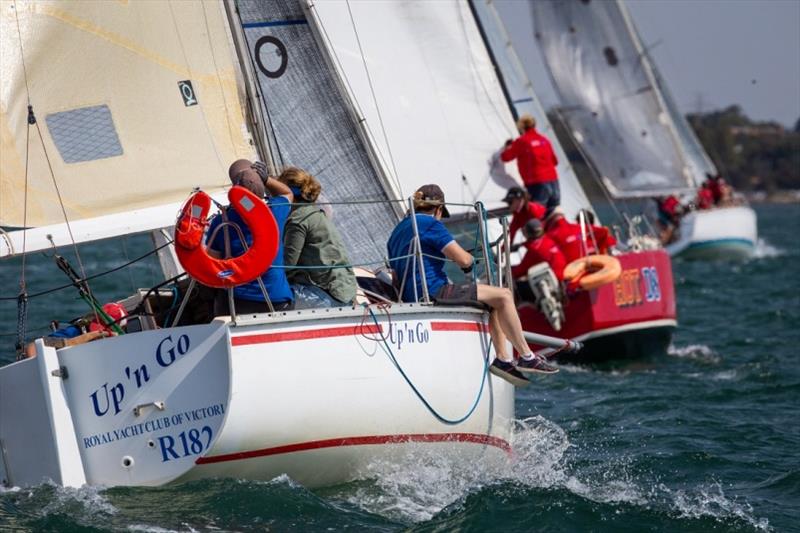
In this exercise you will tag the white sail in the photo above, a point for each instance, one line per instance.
(137, 104)
(426, 87)
(311, 125)
(523, 100)
(610, 97)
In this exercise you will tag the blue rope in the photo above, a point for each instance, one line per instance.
(419, 394)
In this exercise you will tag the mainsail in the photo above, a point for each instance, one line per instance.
(523, 99)
(427, 90)
(610, 96)
(137, 103)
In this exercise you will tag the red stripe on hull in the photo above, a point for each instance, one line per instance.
(458, 326)
(322, 333)
(474, 438)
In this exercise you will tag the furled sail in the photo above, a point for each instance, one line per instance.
(137, 104)
(310, 124)
(610, 96)
(523, 100)
(427, 90)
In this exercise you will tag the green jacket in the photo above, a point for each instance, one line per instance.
(310, 239)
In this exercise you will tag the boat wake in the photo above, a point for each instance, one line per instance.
(764, 249)
(697, 352)
(541, 467)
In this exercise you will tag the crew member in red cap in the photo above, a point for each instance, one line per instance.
(437, 246)
(522, 210)
(536, 162)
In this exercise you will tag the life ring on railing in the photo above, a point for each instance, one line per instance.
(225, 273)
(593, 271)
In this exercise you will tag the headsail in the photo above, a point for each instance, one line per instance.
(523, 99)
(310, 124)
(427, 89)
(137, 103)
(610, 98)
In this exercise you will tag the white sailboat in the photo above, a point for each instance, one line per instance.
(622, 116)
(137, 104)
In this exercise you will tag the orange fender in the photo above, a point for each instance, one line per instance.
(593, 271)
(225, 273)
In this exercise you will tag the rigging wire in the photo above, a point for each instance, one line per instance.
(372, 91)
(395, 178)
(222, 165)
(94, 276)
(219, 78)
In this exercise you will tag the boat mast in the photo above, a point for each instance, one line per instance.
(648, 70)
(498, 72)
(261, 136)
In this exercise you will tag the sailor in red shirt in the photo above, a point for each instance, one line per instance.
(599, 235)
(522, 210)
(536, 162)
(566, 235)
(705, 197)
(539, 248)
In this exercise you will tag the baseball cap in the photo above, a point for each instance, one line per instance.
(514, 193)
(433, 195)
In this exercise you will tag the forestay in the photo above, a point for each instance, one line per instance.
(137, 103)
(609, 96)
(696, 156)
(311, 125)
(427, 89)
(523, 100)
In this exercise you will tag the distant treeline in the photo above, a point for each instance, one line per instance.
(753, 156)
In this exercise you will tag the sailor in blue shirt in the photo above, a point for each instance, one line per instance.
(437, 246)
(248, 298)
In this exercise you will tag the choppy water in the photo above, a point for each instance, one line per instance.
(704, 439)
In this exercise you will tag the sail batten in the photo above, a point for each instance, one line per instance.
(610, 96)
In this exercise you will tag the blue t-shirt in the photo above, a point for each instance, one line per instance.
(274, 278)
(434, 237)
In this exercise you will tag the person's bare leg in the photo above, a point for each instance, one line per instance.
(498, 338)
(502, 302)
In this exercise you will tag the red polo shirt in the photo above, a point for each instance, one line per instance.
(536, 160)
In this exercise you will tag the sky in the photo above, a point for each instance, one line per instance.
(712, 53)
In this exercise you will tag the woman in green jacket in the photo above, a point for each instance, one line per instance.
(311, 240)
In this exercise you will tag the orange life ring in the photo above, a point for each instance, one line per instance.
(225, 273)
(593, 271)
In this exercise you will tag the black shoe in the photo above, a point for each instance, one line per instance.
(537, 364)
(508, 372)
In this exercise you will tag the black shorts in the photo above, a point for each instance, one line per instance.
(462, 294)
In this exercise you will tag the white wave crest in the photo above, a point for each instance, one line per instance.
(89, 498)
(764, 249)
(710, 501)
(698, 352)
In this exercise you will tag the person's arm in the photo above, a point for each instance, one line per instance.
(277, 188)
(273, 186)
(293, 241)
(520, 270)
(458, 255)
(509, 153)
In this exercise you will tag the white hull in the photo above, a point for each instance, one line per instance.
(720, 233)
(310, 394)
